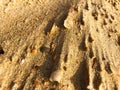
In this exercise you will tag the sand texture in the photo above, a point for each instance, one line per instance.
(59, 44)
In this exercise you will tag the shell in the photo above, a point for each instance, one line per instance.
(56, 75)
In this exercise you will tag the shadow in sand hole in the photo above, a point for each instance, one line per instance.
(50, 65)
(81, 77)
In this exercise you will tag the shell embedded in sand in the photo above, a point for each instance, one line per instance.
(56, 75)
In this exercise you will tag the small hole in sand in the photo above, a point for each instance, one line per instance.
(44, 49)
(104, 22)
(103, 58)
(107, 68)
(106, 16)
(1, 50)
(65, 68)
(110, 21)
(109, 35)
(114, 4)
(91, 54)
(65, 58)
(112, 17)
(118, 41)
(90, 39)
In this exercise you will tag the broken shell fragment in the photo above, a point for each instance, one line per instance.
(56, 75)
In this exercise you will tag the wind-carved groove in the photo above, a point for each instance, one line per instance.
(90, 39)
(115, 87)
(58, 49)
(104, 22)
(107, 68)
(23, 79)
(44, 49)
(24, 82)
(97, 80)
(82, 45)
(91, 54)
(49, 26)
(47, 66)
(1, 50)
(60, 20)
(12, 84)
(66, 58)
(81, 19)
(51, 64)
(86, 6)
(95, 14)
(96, 65)
(118, 41)
(81, 77)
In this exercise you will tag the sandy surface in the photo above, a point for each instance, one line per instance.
(59, 44)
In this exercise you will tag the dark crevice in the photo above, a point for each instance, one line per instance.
(52, 58)
(95, 15)
(106, 16)
(58, 49)
(81, 19)
(118, 40)
(91, 54)
(64, 67)
(11, 84)
(90, 39)
(82, 45)
(76, 8)
(46, 67)
(109, 35)
(112, 17)
(104, 22)
(97, 80)
(86, 6)
(49, 26)
(44, 49)
(94, 62)
(81, 77)
(107, 68)
(115, 87)
(114, 4)
(1, 50)
(103, 58)
(23, 82)
(110, 21)
(65, 58)
(96, 65)
(60, 20)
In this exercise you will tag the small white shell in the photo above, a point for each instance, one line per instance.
(22, 61)
(70, 20)
(56, 75)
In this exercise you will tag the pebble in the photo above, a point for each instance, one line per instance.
(56, 75)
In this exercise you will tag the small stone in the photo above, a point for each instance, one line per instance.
(56, 75)
(46, 83)
(33, 51)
